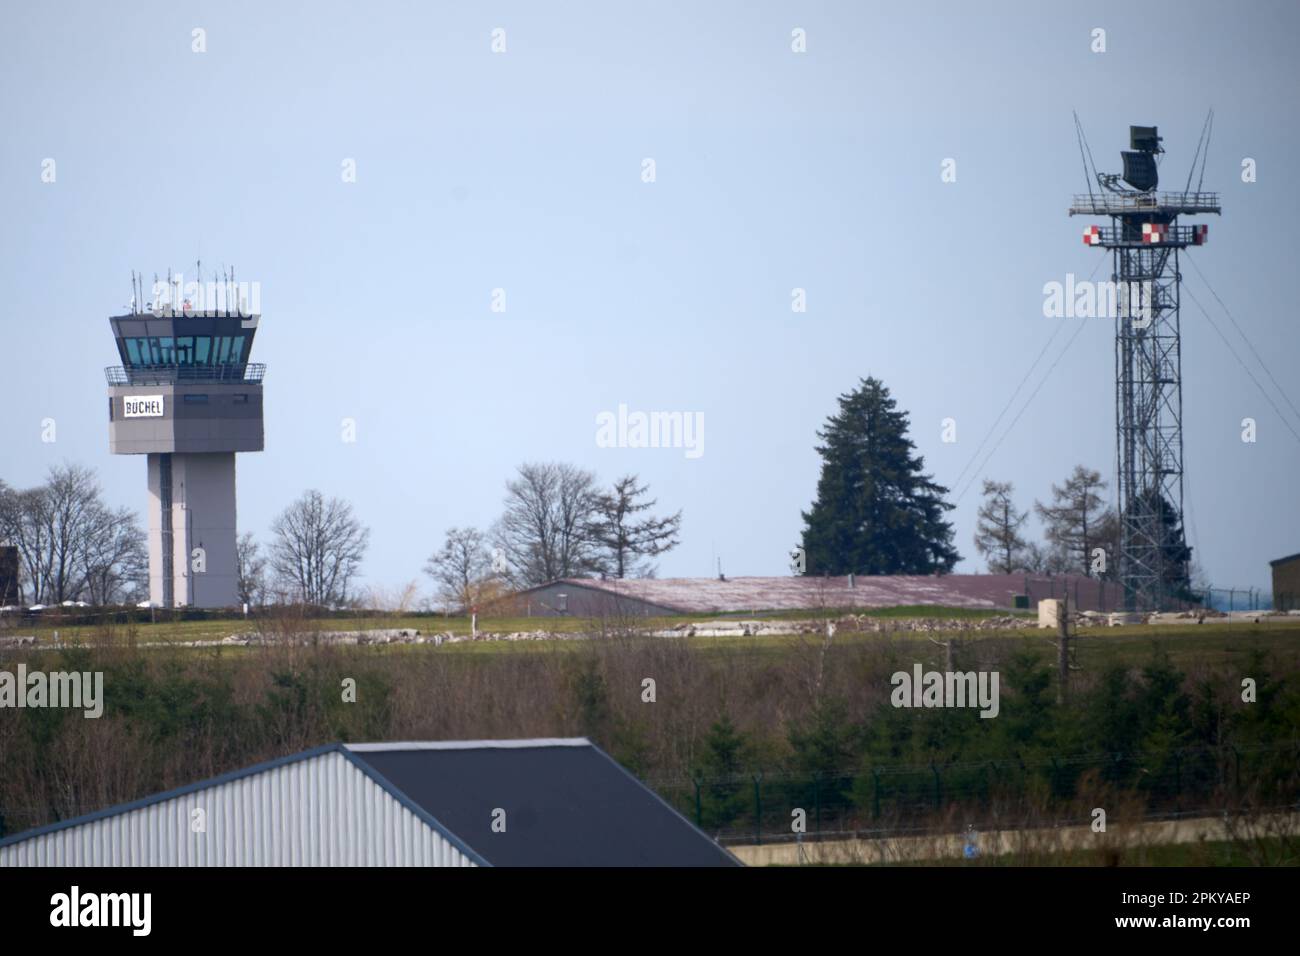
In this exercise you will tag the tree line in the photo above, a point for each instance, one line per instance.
(878, 512)
(1144, 727)
(72, 545)
(1082, 533)
(557, 522)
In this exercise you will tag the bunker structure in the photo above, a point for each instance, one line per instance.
(187, 398)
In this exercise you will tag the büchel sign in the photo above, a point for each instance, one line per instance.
(143, 406)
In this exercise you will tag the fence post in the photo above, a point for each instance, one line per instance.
(875, 794)
(817, 802)
(1178, 781)
(699, 817)
(758, 808)
(936, 784)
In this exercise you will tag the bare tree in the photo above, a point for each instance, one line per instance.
(997, 532)
(545, 532)
(250, 567)
(30, 534)
(71, 509)
(50, 525)
(71, 545)
(1076, 516)
(399, 599)
(10, 510)
(626, 541)
(115, 562)
(318, 548)
(462, 567)
(1038, 559)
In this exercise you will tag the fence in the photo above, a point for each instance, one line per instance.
(757, 807)
(1236, 599)
(1099, 594)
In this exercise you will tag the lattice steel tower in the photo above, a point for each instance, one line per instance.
(1146, 240)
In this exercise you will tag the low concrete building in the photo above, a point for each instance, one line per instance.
(1286, 583)
(649, 597)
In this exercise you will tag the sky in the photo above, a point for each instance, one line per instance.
(524, 170)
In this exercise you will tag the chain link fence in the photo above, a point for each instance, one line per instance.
(889, 800)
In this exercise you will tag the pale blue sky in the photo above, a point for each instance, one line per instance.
(522, 171)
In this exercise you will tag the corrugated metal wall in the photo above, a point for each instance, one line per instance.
(320, 811)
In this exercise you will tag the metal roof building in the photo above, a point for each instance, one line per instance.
(544, 802)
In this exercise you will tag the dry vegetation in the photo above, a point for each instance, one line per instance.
(810, 713)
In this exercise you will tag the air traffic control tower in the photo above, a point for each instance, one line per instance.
(187, 398)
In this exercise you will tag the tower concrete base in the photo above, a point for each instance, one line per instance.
(192, 559)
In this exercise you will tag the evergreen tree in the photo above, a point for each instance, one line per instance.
(876, 511)
(724, 794)
(1176, 572)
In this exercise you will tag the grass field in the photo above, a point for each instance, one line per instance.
(147, 631)
(1210, 643)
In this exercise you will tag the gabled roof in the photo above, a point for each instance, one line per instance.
(566, 802)
(1287, 559)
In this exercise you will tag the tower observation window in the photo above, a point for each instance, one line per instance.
(185, 350)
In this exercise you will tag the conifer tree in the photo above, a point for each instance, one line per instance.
(876, 512)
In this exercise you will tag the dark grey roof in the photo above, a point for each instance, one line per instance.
(566, 803)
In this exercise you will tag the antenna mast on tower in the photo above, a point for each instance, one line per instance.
(1146, 240)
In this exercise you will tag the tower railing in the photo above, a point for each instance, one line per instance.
(252, 372)
(1116, 204)
(1178, 237)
